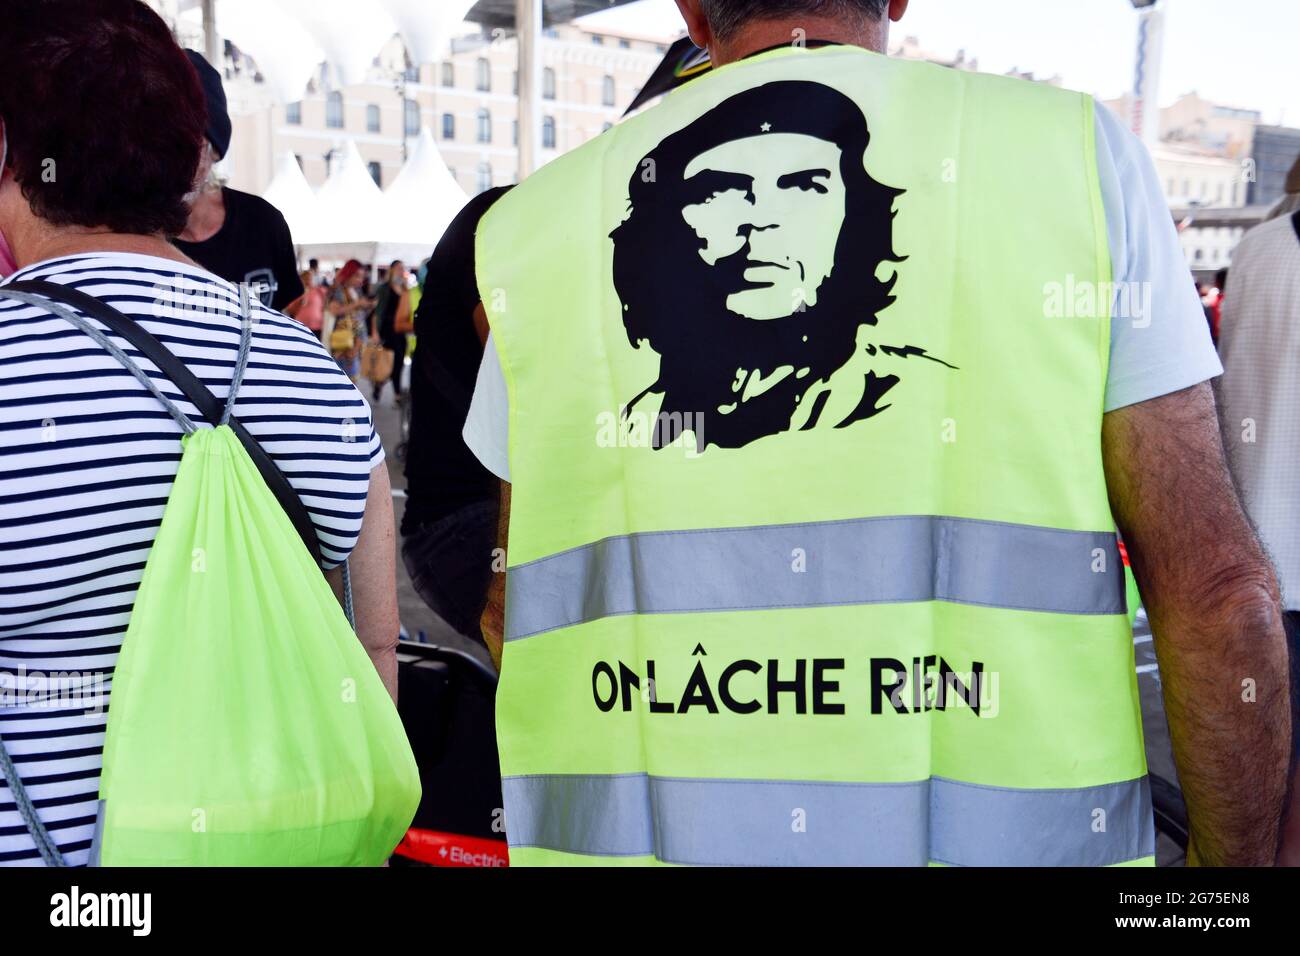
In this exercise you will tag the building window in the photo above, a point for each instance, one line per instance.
(484, 126)
(372, 118)
(411, 114)
(516, 83)
(293, 113)
(376, 173)
(484, 84)
(548, 84)
(598, 40)
(448, 126)
(413, 74)
(334, 110)
(514, 133)
(624, 45)
(484, 177)
(607, 91)
(449, 75)
(548, 132)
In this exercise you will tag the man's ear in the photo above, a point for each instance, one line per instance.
(896, 9)
(697, 25)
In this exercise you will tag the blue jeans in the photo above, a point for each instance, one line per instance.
(450, 564)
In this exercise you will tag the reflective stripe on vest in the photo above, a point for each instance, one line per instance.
(749, 822)
(869, 561)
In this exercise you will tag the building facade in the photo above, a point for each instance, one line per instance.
(1276, 150)
(468, 102)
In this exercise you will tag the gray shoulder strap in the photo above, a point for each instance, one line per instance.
(107, 344)
(245, 346)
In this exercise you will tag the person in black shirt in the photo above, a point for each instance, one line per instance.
(450, 523)
(383, 324)
(240, 237)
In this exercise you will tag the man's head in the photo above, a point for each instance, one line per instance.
(730, 29)
(397, 271)
(218, 129)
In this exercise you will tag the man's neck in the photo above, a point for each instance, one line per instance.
(207, 216)
(766, 34)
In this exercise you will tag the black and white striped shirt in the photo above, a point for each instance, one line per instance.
(87, 458)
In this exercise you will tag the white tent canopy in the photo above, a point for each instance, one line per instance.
(424, 198)
(349, 218)
(289, 39)
(350, 204)
(290, 193)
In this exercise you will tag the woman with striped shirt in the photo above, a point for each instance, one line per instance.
(87, 454)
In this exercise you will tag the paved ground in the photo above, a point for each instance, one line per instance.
(417, 618)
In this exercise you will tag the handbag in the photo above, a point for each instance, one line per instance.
(344, 338)
(376, 363)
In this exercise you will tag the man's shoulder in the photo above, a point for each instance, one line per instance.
(251, 205)
(1275, 235)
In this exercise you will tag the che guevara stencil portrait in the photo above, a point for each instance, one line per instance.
(750, 261)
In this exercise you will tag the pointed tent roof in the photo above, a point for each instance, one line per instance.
(350, 205)
(424, 198)
(290, 193)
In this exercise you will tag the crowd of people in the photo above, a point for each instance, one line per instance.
(767, 300)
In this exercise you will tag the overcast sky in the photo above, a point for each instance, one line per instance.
(1242, 53)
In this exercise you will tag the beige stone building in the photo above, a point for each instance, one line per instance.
(466, 100)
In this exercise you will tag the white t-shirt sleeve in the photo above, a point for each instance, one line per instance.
(487, 428)
(1159, 338)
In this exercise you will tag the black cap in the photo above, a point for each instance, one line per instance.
(218, 119)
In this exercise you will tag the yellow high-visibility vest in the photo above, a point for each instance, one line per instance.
(811, 559)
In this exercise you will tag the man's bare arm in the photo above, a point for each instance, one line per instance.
(493, 622)
(1215, 610)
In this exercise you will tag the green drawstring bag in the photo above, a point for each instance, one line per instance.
(247, 724)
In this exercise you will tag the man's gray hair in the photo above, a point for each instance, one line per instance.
(727, 16)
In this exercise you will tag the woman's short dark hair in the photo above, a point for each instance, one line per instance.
(726, 16)
(103, 114)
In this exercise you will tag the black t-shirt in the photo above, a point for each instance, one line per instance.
(442, 474)
(386, 305)
(252, 246)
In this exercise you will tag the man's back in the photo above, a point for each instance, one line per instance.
(808, 504)
(795, 528)
(1260, 390)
